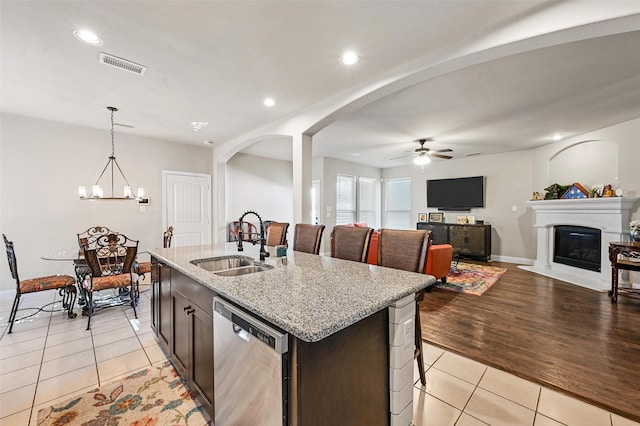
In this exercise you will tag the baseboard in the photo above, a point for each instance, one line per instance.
(510, 259)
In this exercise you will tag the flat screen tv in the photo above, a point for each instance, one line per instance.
(456, 194)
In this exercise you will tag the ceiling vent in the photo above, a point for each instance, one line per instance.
(123, 64)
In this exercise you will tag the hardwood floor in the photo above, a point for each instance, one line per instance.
(557, 334)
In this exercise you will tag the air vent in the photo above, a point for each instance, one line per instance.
(123, 64)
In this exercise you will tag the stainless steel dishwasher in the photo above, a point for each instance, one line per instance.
(250, 368)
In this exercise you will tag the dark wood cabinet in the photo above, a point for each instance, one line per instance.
(322, 375)
(182, 320)
(192, 335)
(180, 331)
(344, 378)
(161, 303)
(473, 241)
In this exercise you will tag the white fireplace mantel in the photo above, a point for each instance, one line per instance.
(611, 215)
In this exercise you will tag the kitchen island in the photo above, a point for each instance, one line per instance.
(350, 327)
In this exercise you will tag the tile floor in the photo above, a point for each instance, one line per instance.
(50, 358)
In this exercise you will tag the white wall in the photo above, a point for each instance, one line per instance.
(512, 177)
(42, 164)
(260, 184)
(507, 184)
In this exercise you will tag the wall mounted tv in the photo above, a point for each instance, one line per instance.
(456, 194)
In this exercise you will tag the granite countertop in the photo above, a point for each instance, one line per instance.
(311, 297)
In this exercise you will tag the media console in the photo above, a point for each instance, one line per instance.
(473, 241)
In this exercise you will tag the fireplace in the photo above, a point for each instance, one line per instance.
(608, 216)
(577, 246)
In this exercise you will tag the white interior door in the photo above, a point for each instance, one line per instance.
(187, 207)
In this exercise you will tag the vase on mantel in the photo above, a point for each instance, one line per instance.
(634, 235)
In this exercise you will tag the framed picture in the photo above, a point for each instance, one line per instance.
(436, 217)
(597, 190)
(422, 217)
(471, 220)
(462, 220)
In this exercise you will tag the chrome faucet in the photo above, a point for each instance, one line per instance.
(263, 252)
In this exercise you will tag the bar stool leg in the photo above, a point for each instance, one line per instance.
(418, 340)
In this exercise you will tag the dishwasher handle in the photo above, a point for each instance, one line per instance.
(251, 326)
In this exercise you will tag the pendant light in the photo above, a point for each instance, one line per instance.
(97, 192)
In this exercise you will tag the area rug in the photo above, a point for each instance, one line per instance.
(471, 278)
(151, 397)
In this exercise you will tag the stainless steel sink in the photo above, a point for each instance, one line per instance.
(230, 266)
(244, 270)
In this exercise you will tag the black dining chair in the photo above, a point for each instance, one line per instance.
(65, 284)
(111, 266)
(143, 268)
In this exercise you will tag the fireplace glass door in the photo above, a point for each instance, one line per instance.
(577, 246)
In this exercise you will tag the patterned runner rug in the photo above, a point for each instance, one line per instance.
(471, 278)
(151, 397)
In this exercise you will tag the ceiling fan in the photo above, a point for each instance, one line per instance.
(422, 154)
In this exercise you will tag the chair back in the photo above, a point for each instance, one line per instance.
(277, 234)
(113, 254)
(403, 249)
(11, 257)
(166, 239)
(350, 243)
(307, 238)
(249, 231)
(88, 238)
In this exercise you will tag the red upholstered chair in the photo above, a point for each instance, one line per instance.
(65, 284)
(439, 261)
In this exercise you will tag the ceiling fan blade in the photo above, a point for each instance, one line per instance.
(402, 156)
(443, 150)
(446, 157)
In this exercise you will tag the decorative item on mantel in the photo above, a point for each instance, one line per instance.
(634, 232)
(575, 191)
(555, 191)
(97, 192)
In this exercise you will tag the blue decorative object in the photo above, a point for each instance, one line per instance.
(576, 191)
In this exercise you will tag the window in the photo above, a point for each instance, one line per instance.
(366, 201)
(355, 200)
(345, 199)
(397, 206)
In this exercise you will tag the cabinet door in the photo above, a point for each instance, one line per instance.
(201, 367)
(164, 305)
(180, 309)
(458, 239)
(476, 241)
(439, 234)
(155, 296)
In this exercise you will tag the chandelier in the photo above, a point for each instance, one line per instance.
(97, 192)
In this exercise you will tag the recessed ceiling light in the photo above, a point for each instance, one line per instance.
(557, 137)
(198, 125)
(88, 37)
(349, 58)
(355, 154)
(208, 142)
(268, 102)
